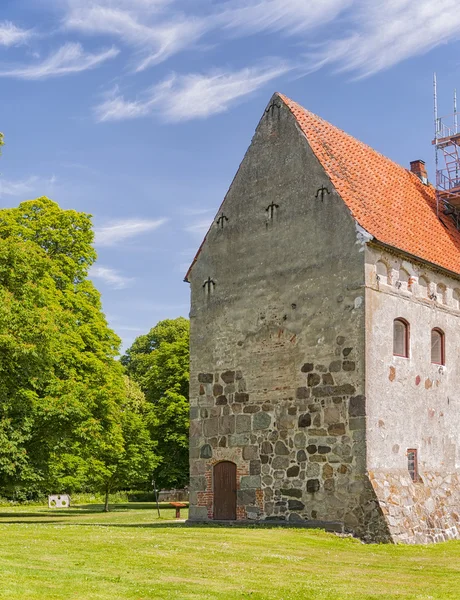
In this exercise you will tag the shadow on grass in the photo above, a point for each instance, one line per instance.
(81, 509)
(167, 524)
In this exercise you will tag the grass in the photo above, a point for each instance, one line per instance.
(83, 554)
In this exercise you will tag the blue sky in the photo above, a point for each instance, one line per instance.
(140, 111)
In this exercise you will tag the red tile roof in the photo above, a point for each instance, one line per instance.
(388, 201)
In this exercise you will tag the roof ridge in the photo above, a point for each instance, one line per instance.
(385, 198)
(365, 146)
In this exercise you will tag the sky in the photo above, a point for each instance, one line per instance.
(139, 112)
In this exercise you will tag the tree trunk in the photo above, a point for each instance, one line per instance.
(106, 504)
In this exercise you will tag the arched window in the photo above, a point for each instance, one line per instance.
(438, 347)
(403, 280)
(424, 287)
(441, 293)
(401, 338)
(456, 297)
(382, 272)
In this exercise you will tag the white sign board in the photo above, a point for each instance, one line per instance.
(62, 501)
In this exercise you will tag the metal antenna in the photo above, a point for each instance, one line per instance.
(447, 142)
(455, 112)
(435, 90)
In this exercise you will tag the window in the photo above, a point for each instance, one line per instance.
(437, 347)
(401, 338)
(424, 287)
(412, 464)
(456, 297)
(382, 272)
(441, 293)
(403, 280)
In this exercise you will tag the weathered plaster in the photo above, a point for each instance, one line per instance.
(412, 403)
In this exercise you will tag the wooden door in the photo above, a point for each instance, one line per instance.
(225, 491)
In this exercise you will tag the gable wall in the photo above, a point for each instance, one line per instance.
(277, 347)
(411, 403)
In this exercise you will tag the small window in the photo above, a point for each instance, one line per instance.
(437, 347)
(412, 464)
(401, 338)
(382, 272)
(424, 287)
(403, 280)
(456, 297)
(441, 293)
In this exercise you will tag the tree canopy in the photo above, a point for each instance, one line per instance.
(67, 416)
(159, 363)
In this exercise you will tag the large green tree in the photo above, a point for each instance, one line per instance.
(159, 363)
(63, 399)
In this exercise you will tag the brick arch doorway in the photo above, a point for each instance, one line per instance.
(224, 483)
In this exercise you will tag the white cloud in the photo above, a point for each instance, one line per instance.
(288, 16)
(191, 211)
(155, 41)
(110, 277)
(385, 35)
(119, 231)
(128, 328)
(10, 35)
(157, 29)
(377, 35)
(193, 96)
(70, 58)
(116, 108)
(32, 186)
(200, 227)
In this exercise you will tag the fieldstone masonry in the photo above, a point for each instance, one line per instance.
(292, 373)
(296, 457)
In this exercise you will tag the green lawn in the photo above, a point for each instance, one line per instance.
(82, 553)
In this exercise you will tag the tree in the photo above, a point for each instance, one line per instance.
(63, 400)
(159, 362)
(120, 455)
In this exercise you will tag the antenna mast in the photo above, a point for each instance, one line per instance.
(447, 142)
(435, 142)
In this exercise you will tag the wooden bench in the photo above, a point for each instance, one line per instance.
(178, 506)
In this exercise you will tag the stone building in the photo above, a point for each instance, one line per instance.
(325, 341)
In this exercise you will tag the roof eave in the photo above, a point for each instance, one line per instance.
(413, 257)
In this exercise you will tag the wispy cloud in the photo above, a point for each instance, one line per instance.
(70, 58)
(383, 36)
(11, 35)
(159, 29)
(110, 277)
(291, 17)
(199, 227)
(31, 186)
(128, 328)
(154, 42)
(193, 96)
(120, 231)
(191, 211)
(377, 35)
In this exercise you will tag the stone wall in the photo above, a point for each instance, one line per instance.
(277, 343)
(412, 403)
(422, 512)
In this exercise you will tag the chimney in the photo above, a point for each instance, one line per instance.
(418, 168)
